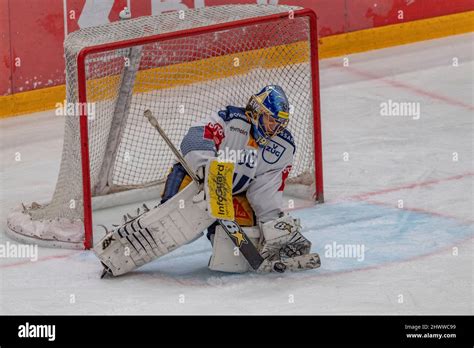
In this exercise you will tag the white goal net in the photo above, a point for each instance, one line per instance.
(182, 66)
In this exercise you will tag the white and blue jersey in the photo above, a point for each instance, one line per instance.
(259, 171)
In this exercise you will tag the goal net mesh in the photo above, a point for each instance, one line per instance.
(181, 80)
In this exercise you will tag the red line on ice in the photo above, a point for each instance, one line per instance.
(365, 198)
(40, 259)
(421, 210)
(406, 86)
(362, 196)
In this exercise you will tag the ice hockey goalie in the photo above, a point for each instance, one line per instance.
(256, 140)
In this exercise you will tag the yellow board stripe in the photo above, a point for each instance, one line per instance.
(331, 46)
(32, 101)
(220, 67)
(396, 34)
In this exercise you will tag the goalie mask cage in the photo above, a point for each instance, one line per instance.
(182, 66)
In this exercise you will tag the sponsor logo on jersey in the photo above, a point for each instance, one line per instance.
(232, 113)
(214, 132)
(287, 136)
(243, 211)
(238, 130)
(238, 115)
(273, 152)
(284, 176)
(223, 114)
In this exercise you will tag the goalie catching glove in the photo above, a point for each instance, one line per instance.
(283, 239)
(283, 242)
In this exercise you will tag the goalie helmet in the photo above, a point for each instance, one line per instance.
(268, 111)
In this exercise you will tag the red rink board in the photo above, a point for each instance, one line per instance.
(32, 32)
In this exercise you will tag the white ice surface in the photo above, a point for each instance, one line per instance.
(423, 251)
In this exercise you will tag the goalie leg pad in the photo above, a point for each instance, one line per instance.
(154, 233)
(225, 256)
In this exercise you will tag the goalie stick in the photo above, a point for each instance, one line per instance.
(232, 228)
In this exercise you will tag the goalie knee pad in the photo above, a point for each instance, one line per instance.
(225, 256)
